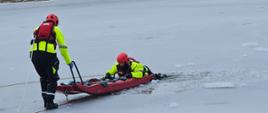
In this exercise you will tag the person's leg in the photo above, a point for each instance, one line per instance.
(53, 77)
(44, 83)
(50, 95)
(38, 62)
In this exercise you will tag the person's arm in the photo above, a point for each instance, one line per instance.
(32, 42)
(111, 73)
(137, 70)
(62, 45)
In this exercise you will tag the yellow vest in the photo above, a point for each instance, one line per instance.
(51, 47)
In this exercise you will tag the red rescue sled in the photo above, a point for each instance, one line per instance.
(97, 87)
(102, 87)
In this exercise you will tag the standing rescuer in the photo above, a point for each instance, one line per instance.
(44, 58)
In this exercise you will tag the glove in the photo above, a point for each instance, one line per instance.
(32, 41)
(159, 76)
(123, 78)
(108, 76)
(128, 75)
(102, 78)
(71, 65)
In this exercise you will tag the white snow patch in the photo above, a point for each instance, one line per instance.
(154, 81)
(11, 68)
(244, 55)
(261, 49)
(243, 85)
(185, 65)
(250, 44)
(178, 65)
(218, 85)
(173, 105)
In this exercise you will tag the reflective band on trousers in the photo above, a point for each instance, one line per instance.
(48, 93)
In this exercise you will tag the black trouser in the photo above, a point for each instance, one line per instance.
(46, 65)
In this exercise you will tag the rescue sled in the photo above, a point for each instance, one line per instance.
(98, 87)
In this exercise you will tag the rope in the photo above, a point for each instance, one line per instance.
(21, 103)
(26, 83)
(33, 82)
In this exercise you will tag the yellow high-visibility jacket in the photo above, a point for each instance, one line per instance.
(51, 47)
(137, 69)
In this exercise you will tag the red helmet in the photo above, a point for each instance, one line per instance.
(53, 18)
(122, 58)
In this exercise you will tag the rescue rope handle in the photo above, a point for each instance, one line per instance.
(79, 75)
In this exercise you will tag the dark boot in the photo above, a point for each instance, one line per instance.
(44, 99)
(51, 105)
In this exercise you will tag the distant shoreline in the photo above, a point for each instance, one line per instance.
(16, 1)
